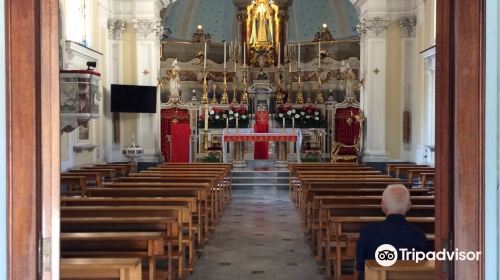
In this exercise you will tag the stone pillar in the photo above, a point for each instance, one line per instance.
(373, 66)
(407, 25)
(148, 35)
(116, 26)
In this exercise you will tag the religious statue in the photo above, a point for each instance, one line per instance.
(262, 28)
(351, 81)
(262, 23)
(175, 83)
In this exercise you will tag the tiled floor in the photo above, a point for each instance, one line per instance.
(259, 237)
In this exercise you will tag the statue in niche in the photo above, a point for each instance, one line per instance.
(175, 82)
(262, 25)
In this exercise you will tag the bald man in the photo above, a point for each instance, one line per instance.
(395, 230)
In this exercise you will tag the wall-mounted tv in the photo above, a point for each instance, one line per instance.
(133, 99)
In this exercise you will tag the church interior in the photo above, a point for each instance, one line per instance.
(255, 139)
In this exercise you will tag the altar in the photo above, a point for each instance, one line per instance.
(282, 137)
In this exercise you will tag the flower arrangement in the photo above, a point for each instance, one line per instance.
(306, 117)
(220, 117)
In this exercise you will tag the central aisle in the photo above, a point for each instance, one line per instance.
(259, 237)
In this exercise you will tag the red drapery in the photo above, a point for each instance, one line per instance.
(261, 149)
(346, 128)
(180, 142)
(167, 118)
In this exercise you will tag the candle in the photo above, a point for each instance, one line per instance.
(206, 118)
(283, 122)
(227, 122)
(319, 55)
(298, 60)
(279, 55)
(237, 122)
(224, 56)
(293, 122)
(205, 58)
(244, 54)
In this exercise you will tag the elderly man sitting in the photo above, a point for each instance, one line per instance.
(395, 230)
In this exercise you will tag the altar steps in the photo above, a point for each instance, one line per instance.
(259, 174)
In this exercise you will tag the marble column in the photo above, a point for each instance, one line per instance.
(113, 58)
(409, 77)
(148, 35)
(373, 48)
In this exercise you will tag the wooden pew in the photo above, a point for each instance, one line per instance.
(401, 170)
(109, 216)
(412, 173)
(209, 198)
(93, 178)
(148, 245)
(361, 206)
(195, 192)
(425, 177)
(76, 184)
(343, 233)
(130, 167)
(100, 268)
(423, 270)
(109, 173)
(390, 167)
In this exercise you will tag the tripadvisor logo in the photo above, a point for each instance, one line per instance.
(386, 255)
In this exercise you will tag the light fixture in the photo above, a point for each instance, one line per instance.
(200, 27)
(325, 25)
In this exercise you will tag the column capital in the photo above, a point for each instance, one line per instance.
(115, 28)
(408, 26)
(372, 27)
(149, 29)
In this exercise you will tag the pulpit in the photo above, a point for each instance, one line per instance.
(261, 149)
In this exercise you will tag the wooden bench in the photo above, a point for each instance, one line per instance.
(101, 268)
(108, 173)
(390, 167)
(343, 233)
(76, 184)
(423, 270)
(178, 221)
(148, 245)
(93, 178)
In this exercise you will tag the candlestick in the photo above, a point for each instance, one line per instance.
(237, 123)
(224, 99)
(205, 57)
(283, 121)
(245, 54)
(227, 122)
(279, 55)
(293, 121)
(204, 93)
(298, 59)
(319, 54)
(206, 117)
(224, 56)
(244, 95)
(319, 95)
(300, 98)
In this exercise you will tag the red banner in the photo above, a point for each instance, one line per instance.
(261, 149)
(180, 142)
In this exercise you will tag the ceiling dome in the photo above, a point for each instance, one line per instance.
(219, 18)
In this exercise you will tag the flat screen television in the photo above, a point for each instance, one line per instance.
(133, 99)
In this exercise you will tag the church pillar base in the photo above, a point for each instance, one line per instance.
(375, 156)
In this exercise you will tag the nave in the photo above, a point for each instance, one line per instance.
(259, 237)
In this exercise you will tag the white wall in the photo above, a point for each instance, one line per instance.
(3, 159)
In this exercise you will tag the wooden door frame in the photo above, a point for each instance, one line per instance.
(32, 89)
(32, 64)
(460, 143)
